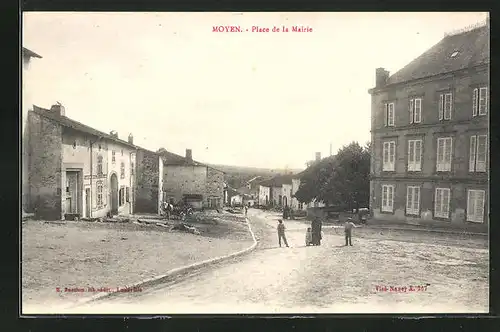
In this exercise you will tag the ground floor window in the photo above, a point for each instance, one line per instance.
(442, 203)
(99, 191)
(121, 196)
(475, 205)
(387, 197)
(413, 200)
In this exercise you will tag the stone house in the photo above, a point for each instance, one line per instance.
(264, 195)
(277, 190)
(75, 170)
(184, 179)
(26, 105)
(149, 179)
(429, 126)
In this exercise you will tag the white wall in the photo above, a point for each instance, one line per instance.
(263, 193)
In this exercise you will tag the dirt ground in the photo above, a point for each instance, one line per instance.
(109, 255)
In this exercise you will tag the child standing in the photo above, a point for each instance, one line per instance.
(281, 233)
(348, 226)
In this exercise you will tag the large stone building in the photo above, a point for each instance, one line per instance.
(26, 105)
(187, 180)
(430, 135)
(149, 179)
(75, 170)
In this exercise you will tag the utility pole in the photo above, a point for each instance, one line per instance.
(330, 149)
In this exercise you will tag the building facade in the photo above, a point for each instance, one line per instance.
(26, 105)
(430, 120)
(149, 179)
(186, 180)
(71, 169)
(264, 195)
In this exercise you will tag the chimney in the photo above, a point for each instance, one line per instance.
(58, 109)
(114, 133)
(381, 76)
(189, 156)
(131, 138)
(318, 156)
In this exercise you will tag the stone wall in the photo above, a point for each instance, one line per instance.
(45, 167)
(215, 185)
(179, 180)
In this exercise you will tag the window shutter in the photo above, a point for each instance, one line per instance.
(384, 196)
(386, 114)
(411, 110)
(447, 153)
(385, 153)
(390, 115)
(445, 202)
(472, 154)
(392, 151)
(470, 205)
(474, 102)
(448, 102)
(409, 199)
(418, 110)
(390, 197)
(440, 154)
(481, 153)
(416, 200)
(418, 154)
(483, 101)
(479, 206)
(411, 152)
(441, 104)
(437, 202)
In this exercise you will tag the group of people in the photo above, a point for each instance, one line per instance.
(314, 234)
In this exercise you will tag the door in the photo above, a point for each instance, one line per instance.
(87, 202)
(72, 192)
(114, 194)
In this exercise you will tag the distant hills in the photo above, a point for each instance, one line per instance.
(236, 176)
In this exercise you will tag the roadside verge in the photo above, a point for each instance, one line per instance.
(172, 274)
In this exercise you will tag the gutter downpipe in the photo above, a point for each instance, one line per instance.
(91, 172)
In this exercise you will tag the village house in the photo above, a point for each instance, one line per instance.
(430, 135)
(26, 105)
(76, 171)
(149, 179)
(192, 182)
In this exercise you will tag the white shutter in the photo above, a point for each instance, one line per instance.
(438, 202)
(409, 200)
(472, 154)
(474, 101)
(446, 203)
(411, 110)
(416, 200)
(479, 213)
(386, 114)
(418, 155)
(418, 110)
(441, 104)
(384, 198)
(390, 197)
(483, 101)
(471, 200)
(385, 158)
(411, 155)
(390, 121)
(392, 154)
(440, 154)
(447, 153)
(481, 153)
(448, 102)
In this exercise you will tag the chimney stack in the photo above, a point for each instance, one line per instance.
(58, 109)
(131, 138)
(318, 156)
(381, 76)
(114, 133)
(189, 156)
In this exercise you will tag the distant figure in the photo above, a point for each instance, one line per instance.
(246, 210)
(316, 231)
(308, 236)
(348, 226)
(281, 233)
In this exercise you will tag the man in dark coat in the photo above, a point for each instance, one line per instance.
(316, 231)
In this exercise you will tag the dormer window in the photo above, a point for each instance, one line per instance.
(454, 54)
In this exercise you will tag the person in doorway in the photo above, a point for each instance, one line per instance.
(348, 226)
(281, 233)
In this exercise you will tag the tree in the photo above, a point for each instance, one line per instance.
(312, 178)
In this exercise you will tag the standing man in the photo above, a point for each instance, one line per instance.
(281, 233)
(246, 210)
(348, 226)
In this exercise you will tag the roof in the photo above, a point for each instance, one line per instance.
(172, 159)
(78, 126)
(30, 53)
(278, 181)
(473, 48)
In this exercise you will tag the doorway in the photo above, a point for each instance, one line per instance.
(114, 194)
(87, 202)
(72, 193)
(285, 201)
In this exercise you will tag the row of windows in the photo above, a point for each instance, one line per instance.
(445, 107)
(478, 147)
(123, 194)
(100, 170)
(475, 202)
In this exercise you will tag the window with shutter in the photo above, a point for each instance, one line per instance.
(389, 151)
(442, 203)
(475, 205)
(409, 200)
(386, 113)
(414, 155)
(448, 103)
(387, 198)
(481, 153)
(440, 154)
(416, 200)
(472, 154)
(411, 155)
(447, 154)
(418, 155)
(444, 154)
(475, 94)
(413, 200)
(483, 101)
(390, 115)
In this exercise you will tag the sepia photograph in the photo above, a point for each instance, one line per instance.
(254, 163)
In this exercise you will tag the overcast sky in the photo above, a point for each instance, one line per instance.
(248, 99)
